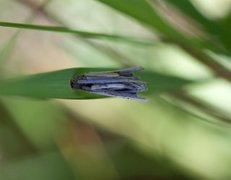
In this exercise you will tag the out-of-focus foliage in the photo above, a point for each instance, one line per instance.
(183, 132)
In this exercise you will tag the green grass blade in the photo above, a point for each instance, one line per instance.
(46, 85)
(144, 13)
(190, 10)
(56, 84)
(160, 83)
(225, 32)
(211, 27)
(83, 34)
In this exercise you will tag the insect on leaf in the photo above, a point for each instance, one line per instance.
(121, 83)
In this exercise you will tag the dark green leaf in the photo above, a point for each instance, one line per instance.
(225, 25)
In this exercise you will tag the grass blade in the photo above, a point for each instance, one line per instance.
(83, 34)
(189, 10)
(225, 32)
(144, 13)
(211, 27)
(56, 84)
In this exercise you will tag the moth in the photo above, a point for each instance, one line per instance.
(118, 83)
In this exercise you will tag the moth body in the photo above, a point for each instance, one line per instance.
(120, 83)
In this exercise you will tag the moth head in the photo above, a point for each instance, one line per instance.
(74, 82)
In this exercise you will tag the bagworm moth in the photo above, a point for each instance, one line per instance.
(118, 83)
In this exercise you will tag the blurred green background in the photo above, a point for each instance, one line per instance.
(181, 133)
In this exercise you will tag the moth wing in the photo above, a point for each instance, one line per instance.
(131, 69)
(119, 94)
(116, 72)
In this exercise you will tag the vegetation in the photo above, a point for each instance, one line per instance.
(49, 131)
